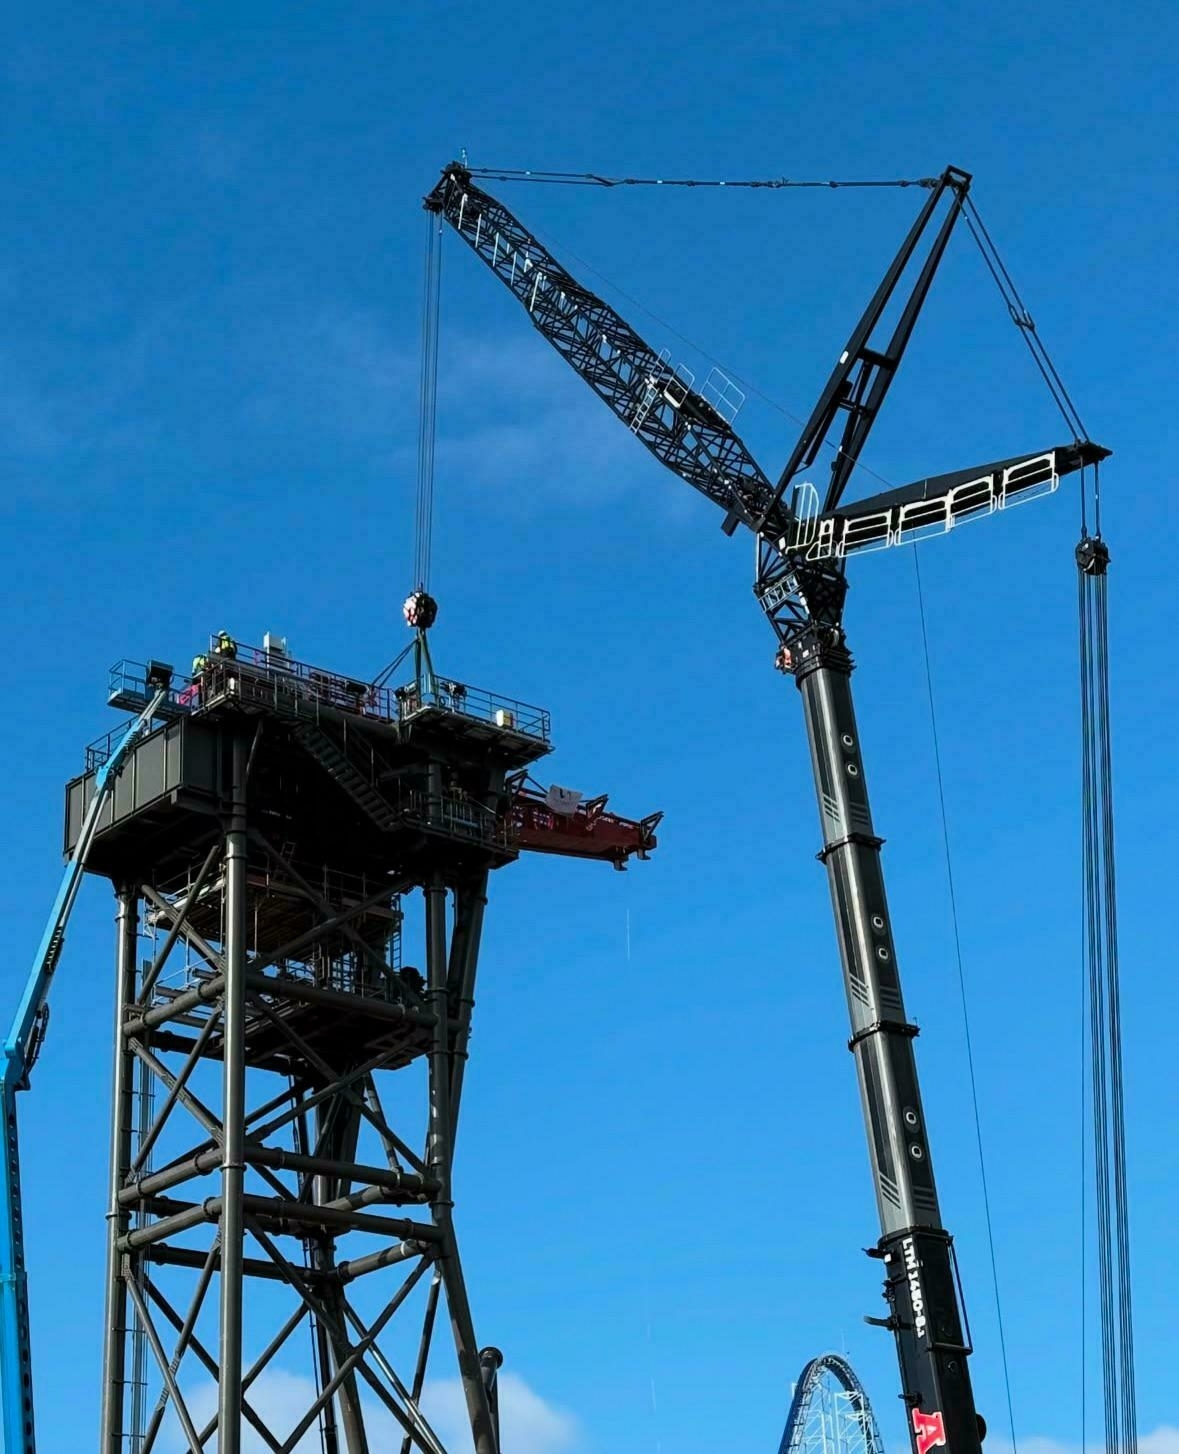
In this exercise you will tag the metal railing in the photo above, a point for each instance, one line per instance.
(268, 678)
(474, 702)
(99, 751)
(392, 704)
(128, 680)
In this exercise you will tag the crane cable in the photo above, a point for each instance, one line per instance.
(1022, 319)
(595, 179)
(427, 403)
(969, 1039)
(746, 383)
(1102, 970)
(1100, 952)
(427, 431)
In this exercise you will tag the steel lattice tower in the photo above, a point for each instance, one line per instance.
(273, 844)
(830, 1412)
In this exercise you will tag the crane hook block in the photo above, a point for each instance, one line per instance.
(420, 610)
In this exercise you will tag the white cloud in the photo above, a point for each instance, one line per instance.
(529, 1424)
(292, 378)
(280, 1399)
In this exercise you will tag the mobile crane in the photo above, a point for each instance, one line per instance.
(803, 543)
(21, 1049)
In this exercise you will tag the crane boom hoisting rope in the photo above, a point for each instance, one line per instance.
(1100, 958)
(427, 406)
(1023, 320)
(594, 179)
(420, 609)
(804, 539)
(1101, 965)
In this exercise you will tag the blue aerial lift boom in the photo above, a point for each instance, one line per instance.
(20, 1053)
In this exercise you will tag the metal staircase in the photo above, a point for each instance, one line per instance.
(338, 767)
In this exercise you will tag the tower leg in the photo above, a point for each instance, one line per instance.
(286, 967)
(229, 1406)
(324, 1367)
(441, 1153)
(118, 1218)
(338, 1124)
(470, 902)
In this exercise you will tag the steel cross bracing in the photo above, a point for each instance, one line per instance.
(805, 535)
(286, 1088)
(295, 1133)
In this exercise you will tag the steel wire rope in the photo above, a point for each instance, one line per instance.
(386, 672)
(1101, 908)
(982, 1163)
(988, 250)
(1093, 943)
(1083, 1103)
(643, 1260)
(595, 179)
(1121, 1187)
(427, 403)
(1022, 318)
(1047, 369)
(1102, 978)
(1113, 987)
(1101, 971)
(745, 383)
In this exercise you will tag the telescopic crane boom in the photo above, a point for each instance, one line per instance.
(803, 544)
(21, 1049)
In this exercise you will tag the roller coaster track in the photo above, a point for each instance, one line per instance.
(830, 1412)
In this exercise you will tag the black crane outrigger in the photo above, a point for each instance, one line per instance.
(803, 545)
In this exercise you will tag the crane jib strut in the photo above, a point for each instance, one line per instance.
(21, 1049)
(804, 540)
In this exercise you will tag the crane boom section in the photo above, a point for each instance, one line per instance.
(861, 377)
(801, 584)
(687, 433)
(20, 1053)
(658, 403)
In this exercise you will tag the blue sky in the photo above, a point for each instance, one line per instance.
(210, 276)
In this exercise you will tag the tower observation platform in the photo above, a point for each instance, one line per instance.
(300, 862)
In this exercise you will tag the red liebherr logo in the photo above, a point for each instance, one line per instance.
(930, 1430)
